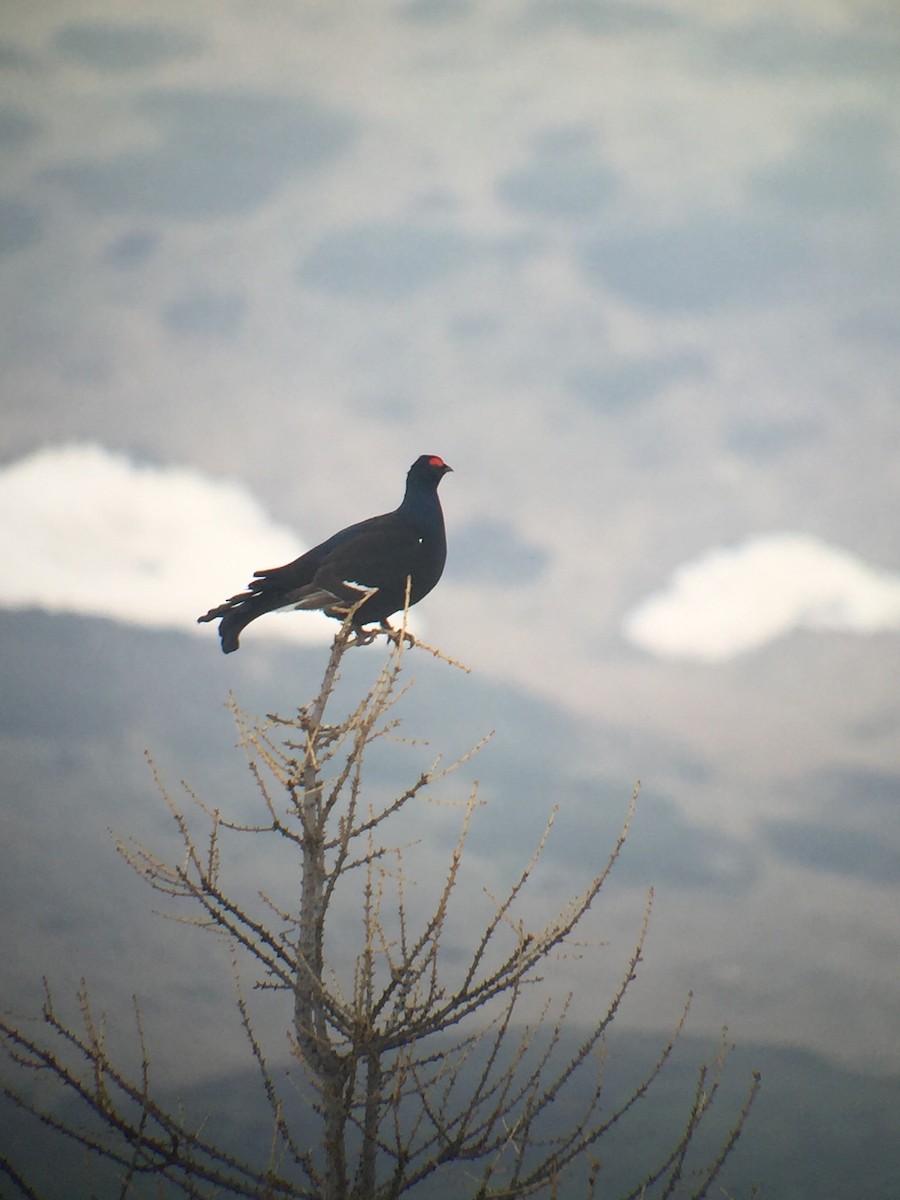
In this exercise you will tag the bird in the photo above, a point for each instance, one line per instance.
(367, 564)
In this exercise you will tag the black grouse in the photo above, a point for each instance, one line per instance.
(377, 555)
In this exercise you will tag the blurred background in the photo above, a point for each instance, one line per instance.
(633, 270)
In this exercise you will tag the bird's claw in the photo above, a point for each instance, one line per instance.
(395, 635)
(365, 637)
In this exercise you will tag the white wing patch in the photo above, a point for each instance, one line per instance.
(362, 588)
(313, 599)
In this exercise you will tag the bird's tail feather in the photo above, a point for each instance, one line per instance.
(234, 615)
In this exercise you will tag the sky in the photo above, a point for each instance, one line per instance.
(161, 539)
(633, 271)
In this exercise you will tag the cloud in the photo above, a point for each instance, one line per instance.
(701, 265)
(764, 441)
(217, 153)
(843, 164)
(736, 600)
(492, 551)
(565, 177)
(600, 20)
(839, 850)
(779, 47)
(435, 11)
(113, 47)
(20, 225)
(131, 249)
(622, 384)
(17, 127)
(100, 535)
(388, 260)
(204, 313)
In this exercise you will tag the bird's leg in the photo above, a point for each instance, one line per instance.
(394, 635)
(364, 637)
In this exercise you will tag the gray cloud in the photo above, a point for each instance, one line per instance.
(878, 791)
(626, 383)
(565, 177)
(832, 841)
(205, 314)
(474, 326)
(600, 19)
(386, 260)
(855, 853)
(20, 225)
(113, 47)
(219, 153)
(132, 248)
(492, 551)
(769, 441)
(14, 57)
(387, 404)
(17, 127)
(872, 325)
(427, 12)
(662, 848)
(779, 47)
(706, 262)
(844, 165)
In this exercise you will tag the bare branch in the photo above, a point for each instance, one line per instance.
(412, 1064)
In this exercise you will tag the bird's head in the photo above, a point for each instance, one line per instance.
(428, 467)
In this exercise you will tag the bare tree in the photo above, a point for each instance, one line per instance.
(419, 1070)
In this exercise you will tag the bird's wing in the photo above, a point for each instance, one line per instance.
(375, 557)
(302, 570)
(359, 559)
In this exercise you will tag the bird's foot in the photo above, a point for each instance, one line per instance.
(396, 635)
(363, 637)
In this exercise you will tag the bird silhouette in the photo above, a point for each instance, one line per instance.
(372, 561)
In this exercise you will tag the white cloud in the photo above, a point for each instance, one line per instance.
(88, 531)
(731, 601)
